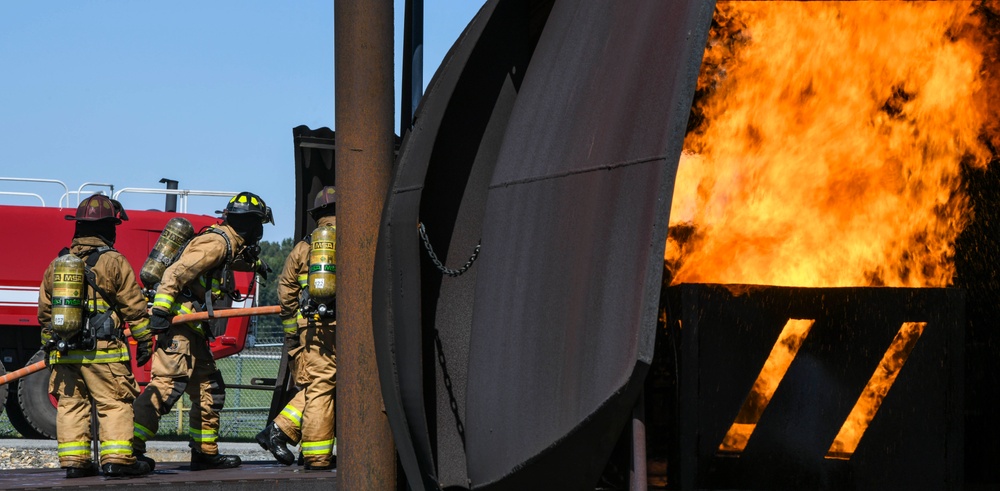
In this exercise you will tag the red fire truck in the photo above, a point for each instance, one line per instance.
(32, 236)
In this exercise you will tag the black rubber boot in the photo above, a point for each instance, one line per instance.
(202, 461)
(141, 457)
(322, 467)
(272, 439)
(122, 470)
(75, 472)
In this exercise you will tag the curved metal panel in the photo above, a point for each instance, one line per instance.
(521, 372)
(573, 239)
(423, 319)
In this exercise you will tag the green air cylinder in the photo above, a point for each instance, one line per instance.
(175, 234)
(323, 264)
(67, 296)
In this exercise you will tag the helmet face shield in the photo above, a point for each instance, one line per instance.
(119, 210)
(268, 216)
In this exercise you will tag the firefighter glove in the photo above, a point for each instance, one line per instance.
(143, 352)
(159, 321)
(48, 348)
(263, 269)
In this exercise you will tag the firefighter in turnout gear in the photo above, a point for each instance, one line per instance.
(183, 362)
(309, 325)
(83, 314)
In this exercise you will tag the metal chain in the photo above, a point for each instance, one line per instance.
(430, 252)
(452, 402)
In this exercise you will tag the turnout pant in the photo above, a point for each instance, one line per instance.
(182, 363)
(113, 389)
(316, 373)
(314, 360)
(289, 420)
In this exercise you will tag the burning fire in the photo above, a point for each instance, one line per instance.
(828, 143)
(875, 391)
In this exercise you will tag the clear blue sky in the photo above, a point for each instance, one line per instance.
(205, 92)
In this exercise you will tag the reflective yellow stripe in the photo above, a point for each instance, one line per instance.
(116, 447)
(293, 415)
(141, 432)
(163, 301)
(303, 280)
(140, 329)
(200, 435)
(215, 287)
(291, 324)
(317, 448)
(98, 305)
(181, 309)
(87, 357)
(74, 448)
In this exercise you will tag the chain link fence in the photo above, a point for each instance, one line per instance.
(245, 412)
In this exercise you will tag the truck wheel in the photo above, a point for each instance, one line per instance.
(37, 407)
(3, 390)
(16, 416)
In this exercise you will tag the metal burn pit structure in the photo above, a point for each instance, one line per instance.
(810, 388)
(548, 148)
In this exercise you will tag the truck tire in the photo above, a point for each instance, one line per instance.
(16, 416)
(37, 407)
(3, 390)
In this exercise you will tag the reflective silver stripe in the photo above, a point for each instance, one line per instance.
(116, 447)
(181, 309)
(199, 435)
(74, 448)
(163, 300)
(291, 324)
(141, 432)
(293, 415)
(88, 357)
(139, 329)
(317, 448)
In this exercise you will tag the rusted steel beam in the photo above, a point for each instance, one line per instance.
(363, 74)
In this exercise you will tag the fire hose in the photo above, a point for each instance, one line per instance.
(177, 319)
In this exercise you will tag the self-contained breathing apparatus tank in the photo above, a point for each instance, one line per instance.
(322, 281)
(67, 296)
(175, 234)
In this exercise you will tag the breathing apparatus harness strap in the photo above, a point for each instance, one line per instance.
(222, 273)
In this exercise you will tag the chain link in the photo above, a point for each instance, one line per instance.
(430, 252)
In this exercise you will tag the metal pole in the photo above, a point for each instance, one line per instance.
(171, 204)
(638, 476)
(95, 433)
(363, 77)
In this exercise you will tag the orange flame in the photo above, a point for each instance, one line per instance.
(878, 386)
(828, 144)
(782, 354)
